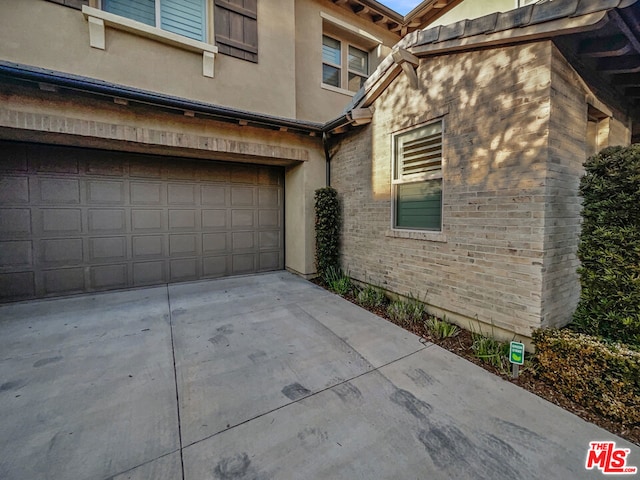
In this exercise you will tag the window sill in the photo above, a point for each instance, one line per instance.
(331, 88)
(99, 19)
(417, 235)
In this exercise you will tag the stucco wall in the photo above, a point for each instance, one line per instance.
(312, 101)
(567, 153)
(28, 114)
(475, 9)
(487, 262)
(48, 35)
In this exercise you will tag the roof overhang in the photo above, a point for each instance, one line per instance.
(601, 36)
(54, 81)
(425, 13)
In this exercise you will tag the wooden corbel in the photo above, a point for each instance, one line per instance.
(409, 63)
(361, 116)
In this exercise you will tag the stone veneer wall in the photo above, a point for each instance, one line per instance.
(487, 263)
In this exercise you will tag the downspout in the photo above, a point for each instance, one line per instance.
(327, 157)
(356, 117)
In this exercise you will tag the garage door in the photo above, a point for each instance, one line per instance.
(80, 220)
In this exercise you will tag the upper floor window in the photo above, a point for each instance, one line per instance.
(235, 21)
(358, 68)
(417, 178)
(184, 17)
(335, 55)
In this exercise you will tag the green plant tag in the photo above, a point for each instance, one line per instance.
(516, 353)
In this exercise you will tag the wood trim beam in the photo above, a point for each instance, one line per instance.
(626, 79)
(632, 92)
(625, 64)
(613, 46)
(360, 9)
(408, 63)
(624, 28)
(401, 55)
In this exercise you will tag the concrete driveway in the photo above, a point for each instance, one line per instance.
(259, 377)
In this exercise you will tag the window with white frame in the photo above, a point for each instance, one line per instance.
(335, 55)
(183, 17)
(331, 61)
(417, 178)
(358, 68)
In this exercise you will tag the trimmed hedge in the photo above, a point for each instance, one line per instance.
(609, 249)
(599, 376)
(327, 210)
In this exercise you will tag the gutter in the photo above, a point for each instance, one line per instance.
(90, 85)
(52, 80)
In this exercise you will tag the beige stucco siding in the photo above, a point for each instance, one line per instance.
(48, 35)
(474, 9)
(312, 101)
(27, 114)
(487, 262)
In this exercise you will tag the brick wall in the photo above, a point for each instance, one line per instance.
(567, 153)
(487, 263)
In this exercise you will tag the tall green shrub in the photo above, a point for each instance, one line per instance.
(327, 210)
(610, 246)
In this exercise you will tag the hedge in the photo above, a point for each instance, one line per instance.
(599, 376)
(328, 223)
(609, 249)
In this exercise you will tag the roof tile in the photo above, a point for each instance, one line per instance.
(449, 32)
(550, 10)
(428, 36)
(481, 25)
(590, 6)
(514, 18)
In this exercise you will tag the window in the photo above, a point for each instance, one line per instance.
(335, 54)
(358, 68)
(184, 17)
(331, 61)
(417, 178)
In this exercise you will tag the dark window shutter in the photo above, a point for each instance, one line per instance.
(236, 28)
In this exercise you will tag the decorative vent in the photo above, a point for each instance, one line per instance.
(419, 153)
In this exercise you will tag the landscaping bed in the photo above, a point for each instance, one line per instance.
(466, 344)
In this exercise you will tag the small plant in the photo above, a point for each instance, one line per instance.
(441, 329)
(371, 297)
(409, 312)
(337, 281)
(491, 351)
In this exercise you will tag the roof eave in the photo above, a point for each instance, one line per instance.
(389, 70)
(94, 86)
(554, 28)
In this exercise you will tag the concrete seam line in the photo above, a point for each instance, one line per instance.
(141, 464)
(309, 396)
(175, 380)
